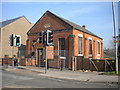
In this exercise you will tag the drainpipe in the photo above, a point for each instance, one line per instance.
(84, 44)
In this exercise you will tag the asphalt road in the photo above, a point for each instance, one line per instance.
(30, 80)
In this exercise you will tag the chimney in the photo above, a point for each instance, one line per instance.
(83, 26)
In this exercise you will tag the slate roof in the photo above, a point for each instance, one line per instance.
(4, 23)
(75, 26)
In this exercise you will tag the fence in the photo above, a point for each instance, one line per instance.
(58, 59)
(94, 64)
(55, 58)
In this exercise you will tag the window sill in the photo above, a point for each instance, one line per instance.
(62, 57)
(80, 54)
(98, 54)
(90, 54)
(98, 58)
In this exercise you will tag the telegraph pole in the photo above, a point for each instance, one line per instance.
(115, 37)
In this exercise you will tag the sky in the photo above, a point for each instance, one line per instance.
(97, 16)
(119, 21)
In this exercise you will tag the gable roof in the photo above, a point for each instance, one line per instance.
(78, 27)
(4, 23)
(73, 25)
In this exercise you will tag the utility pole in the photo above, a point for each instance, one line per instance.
(115, 37)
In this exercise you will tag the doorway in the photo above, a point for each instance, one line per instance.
(40, 57)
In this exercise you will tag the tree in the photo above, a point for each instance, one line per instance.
(110, 51)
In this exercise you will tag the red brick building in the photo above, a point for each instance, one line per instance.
(69, 40)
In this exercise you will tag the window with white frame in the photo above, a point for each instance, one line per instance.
(98, 47)
(90, 47)
(62, 47)
(79, 45)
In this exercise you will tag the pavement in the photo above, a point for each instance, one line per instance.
(70, 75)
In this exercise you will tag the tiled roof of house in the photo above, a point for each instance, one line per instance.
(75, 26)
(4, 23)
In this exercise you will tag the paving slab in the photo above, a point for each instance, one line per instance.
(73, 75)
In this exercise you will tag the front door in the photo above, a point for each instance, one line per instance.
(40, 57)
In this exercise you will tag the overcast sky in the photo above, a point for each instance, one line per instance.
(97, 16)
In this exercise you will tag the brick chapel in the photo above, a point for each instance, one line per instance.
(69, 39)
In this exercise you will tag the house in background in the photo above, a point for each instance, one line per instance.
(18, 26)
(69, 40)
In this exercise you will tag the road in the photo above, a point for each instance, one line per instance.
(27, 79)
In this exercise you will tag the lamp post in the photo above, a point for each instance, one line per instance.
(115, 37)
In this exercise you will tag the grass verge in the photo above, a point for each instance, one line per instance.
(111, 73)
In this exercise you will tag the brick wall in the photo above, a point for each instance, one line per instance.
(54, 22)
(85, 45)
(63, 30)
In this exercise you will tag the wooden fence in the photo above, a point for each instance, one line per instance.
(94, 64)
